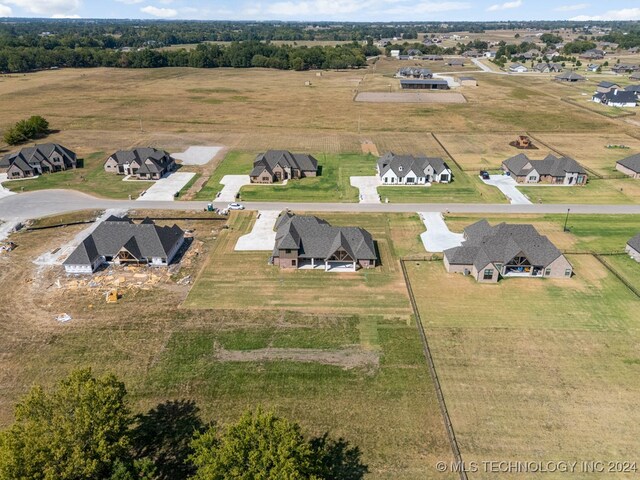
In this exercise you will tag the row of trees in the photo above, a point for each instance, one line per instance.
(84, 430)
(237, 54)
(25, 130)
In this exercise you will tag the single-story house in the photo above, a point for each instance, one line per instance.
(122, 242)
(414, 52)
(277, 165)
(468, 81)
(473, 53)
(569, 77)
(593, 54)
(606, 87)
(432, 57)
(517, 68)
(143, 163)
(455, 62)
(424, 84)
(490, 53)
(635, 76)
(625, 68)
(409, 170)
(630, 166)
(304, 241)
(488, 253)
(616, 98)
(414, 72)
(542, 68)
(633, 248)
(36, 160)
(633, 88)
(551, 169)
(592, 67)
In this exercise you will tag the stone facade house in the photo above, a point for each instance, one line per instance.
(144, 163)
(36, 160)
(633, 248)
(122, 242)
(630, 166)
(309, 242)
(278, 165)
(489, 253)
(551, 169)
(409, 170)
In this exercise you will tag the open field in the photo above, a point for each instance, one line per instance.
(91, 178)
(244, 280)
(301, 364)
(550, 382)
(622, 191)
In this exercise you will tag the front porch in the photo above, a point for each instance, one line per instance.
(327, 265)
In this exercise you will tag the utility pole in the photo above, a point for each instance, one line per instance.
(566, 220)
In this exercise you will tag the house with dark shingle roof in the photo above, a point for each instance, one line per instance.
(144, 163)
(630, 166)
(123, 242)
(489, 253)
(409, 170)
(424, 84)
(633, 248)
(606, 87)
(36, 160)
(551, 169)
(304, 241)
(277, 165)
(569, 77)
(616, 98)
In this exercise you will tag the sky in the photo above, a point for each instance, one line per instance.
(327, 10)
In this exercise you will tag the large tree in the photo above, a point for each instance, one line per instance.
(76, 431)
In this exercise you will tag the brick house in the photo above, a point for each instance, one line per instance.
(143, 163)
(630, 166)
(278, 165)
(551, 170)
(36, 160)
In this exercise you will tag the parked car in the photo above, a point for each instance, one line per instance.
(235, 206)
(484, 175)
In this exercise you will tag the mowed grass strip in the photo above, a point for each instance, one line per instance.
(535, 369)
(91, 179)
(233, 279)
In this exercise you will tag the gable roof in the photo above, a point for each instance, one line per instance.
(617, 96)
(632, 162)
(315, 238)
(401, 165)
(570, 76)
(635, 243)
(605, 84)
(522, 165)
(271, 158)
(38, 154)
(143, 240)
(485, 244)
(140, 155)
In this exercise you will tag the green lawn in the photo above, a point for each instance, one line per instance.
(91, 179)
(464, 189)
(332, 185)
(535, 369)
(626, 267)
(617, 191)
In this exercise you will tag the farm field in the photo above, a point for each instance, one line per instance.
(244, 280)
(554, 381)
(344, 370)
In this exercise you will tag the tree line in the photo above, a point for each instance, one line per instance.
(83, 429)
(205, 55)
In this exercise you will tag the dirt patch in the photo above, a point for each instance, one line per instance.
(369, 147)
(410, 97)
(347, 358)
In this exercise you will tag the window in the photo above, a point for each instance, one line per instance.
(488, 274)
(547, 272)
(567, 272)
(386, 179)
(444, 178)
(293, 263)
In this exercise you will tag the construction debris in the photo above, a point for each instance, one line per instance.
(63, 317)
(112, 296)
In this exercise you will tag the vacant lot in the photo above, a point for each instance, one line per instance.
(410, 97)
(305, 365)
(535, 370)
(244, 280)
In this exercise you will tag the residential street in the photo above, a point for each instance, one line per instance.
(52, 202)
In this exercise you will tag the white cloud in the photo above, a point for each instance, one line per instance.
(571, 8)
(5, 11)
(379, 9)
(62, 15)
(48, 7)
(427, 7)
(505, 6)
(130, 2)
(159, 12)
(623, 14)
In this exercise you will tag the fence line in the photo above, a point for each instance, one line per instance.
(446, 151)
(434, 376)
(615, 273)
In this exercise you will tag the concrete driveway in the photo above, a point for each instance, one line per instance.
(232, 185)
(3, 191)
(508, 186)
(166, 188)
(368, 187)
(438, 237)
(262, 236)
(197, 155)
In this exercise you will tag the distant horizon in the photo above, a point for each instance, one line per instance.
(323, 11)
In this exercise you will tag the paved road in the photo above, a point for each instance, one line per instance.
(52, 202)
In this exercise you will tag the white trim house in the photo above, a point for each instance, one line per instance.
(409, 170)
